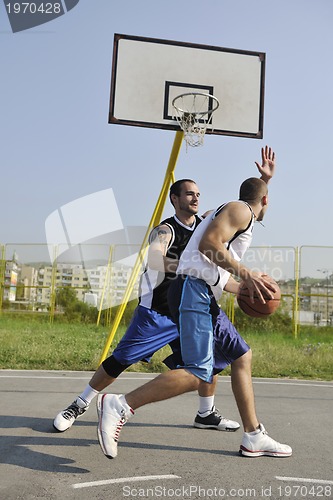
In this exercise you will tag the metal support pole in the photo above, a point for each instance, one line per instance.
(296, 304)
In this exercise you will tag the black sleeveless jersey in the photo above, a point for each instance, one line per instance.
(154, 285)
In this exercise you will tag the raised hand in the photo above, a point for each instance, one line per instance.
(267, 166)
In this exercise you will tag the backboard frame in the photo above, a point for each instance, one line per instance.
(118, 38)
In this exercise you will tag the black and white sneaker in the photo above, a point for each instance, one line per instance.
(66, 418)
(215, 421)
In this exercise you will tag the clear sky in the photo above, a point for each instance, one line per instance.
(57, 146)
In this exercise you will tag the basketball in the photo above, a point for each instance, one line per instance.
(257, 309)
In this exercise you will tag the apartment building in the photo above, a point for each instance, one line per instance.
(109, 285)
(28, 282)
(73, 275)
(105, 287)
(10, 280)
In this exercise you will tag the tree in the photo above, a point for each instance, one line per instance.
(66, 297)
(74, 309)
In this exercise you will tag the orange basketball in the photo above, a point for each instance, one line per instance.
(257, 309)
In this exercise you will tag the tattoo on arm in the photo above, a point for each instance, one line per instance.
(161, 236)
(163, 239)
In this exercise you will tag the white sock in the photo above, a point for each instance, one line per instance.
(206, 404)
(88, 394)
(253, 433)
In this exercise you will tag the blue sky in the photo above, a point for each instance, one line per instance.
(57, 146)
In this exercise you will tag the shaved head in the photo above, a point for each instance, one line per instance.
(252, 190)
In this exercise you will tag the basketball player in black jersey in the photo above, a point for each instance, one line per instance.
(151, 327)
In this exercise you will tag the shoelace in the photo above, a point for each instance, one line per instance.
(218, 414)
(72, 411)
(121, 422)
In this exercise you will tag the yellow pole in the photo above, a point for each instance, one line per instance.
(53, 284)
(2, 274)
(155, 219)
(232, 316)
(296, 304)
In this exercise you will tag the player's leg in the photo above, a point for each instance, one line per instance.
(148, 332)
(256, 441)
(208, 416)
(197, 349)
(99, 381)
(165, 386)
(114, 410)
(242, 387)
(230, 348)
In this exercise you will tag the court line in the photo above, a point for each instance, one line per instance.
(150, 377)
(310, 384)
(303, 480)
(124, 480)
(59, 377)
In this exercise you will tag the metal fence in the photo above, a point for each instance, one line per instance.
(31, 275)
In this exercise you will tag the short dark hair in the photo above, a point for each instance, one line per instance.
(176, 188)
(252, 190)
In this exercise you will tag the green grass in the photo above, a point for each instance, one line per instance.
(34, 343)
(310, 356)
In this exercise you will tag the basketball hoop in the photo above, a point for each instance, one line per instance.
(194, 112)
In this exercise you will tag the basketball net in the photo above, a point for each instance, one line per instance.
(194, 112)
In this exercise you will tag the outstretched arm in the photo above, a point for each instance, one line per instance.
(267, 167)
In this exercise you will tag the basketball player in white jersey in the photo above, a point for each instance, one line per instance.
(152, 327)
(206, 267)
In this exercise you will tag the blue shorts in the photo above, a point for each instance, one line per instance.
(209, 341)
(148, 332)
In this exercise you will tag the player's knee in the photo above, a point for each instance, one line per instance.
(113, 368)
(195, 383)
(248, 356)
(244, 361)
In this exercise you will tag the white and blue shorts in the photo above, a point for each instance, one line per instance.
(209, 341)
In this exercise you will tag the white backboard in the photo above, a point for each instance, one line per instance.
(148, 73)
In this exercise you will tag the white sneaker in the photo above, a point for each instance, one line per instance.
(258, 443)
(215, 421)
(113, 412)
(66, 418)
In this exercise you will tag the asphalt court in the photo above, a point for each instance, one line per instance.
(160, 454)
